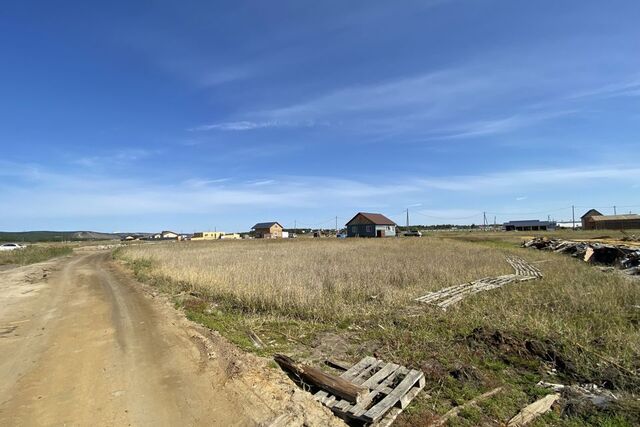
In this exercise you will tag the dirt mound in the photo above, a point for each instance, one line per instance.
(574, 364)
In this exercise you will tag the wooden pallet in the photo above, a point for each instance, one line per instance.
(391, 388)
(453, 294)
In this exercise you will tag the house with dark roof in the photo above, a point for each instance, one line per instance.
(594, 220)
(529, 225)
(267, 230)
(370, 225)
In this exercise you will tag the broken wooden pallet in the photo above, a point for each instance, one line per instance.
(453, 294)
(391, 388)
(523, 268)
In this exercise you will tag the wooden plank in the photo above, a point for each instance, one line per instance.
(407, 398)
(534, 410)
(379, 376)
(374, 413)
(358, 367)
(393, 413)
(381, 388)
(342, 405)
(335, 385)
(330, 401)
(321, 395)
(366, 372)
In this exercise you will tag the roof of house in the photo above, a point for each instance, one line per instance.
(616, 217)
(374, 218)
(591, 212)
(168, 231)
(265, 225)
(529, 223)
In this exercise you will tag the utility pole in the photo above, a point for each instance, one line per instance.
(407, 217)
(548, 218)
(336, 225)
(614, 211)
(295, 224)
(573, 217)
(484, 221)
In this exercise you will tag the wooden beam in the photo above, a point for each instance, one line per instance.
(333, 384)
(534, 410)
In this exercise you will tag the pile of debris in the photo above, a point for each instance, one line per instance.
(371, 392)
(626, 258)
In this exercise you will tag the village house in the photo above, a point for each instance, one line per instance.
(594, 220)
(168, 235)
(207, 235)
(214, 235)
(230, 236)
(267, 230)
(370, 225)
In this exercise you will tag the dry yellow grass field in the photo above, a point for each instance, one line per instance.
(359, 293)
(320, 279)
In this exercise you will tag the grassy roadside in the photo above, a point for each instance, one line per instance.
(33, 254)
(556, 329)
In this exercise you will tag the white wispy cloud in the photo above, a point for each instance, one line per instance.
(196, 182)
(118, 157)
(630, 87)
(478, 98)
(513, 180)
(503, 125)
(251, 125)
(67, 195)
(261, 182)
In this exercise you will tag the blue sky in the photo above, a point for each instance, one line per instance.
(194, 115)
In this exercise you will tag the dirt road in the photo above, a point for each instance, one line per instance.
(83, 344)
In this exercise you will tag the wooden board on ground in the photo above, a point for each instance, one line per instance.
(534, 410)
(391, 388)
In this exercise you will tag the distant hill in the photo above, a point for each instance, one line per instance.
(57, 236)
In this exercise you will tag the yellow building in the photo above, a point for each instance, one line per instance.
(207, 235)
(214, 235)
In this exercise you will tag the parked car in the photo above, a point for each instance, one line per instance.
(341, 235)
(10, 247)
(413, 233)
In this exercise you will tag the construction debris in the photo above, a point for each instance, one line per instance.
(597, 395)
(255, 339)
(338, 386)
(537, 408)
(623, 257)
(388, 390)
(451, 295)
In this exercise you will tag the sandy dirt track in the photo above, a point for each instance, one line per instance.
(83, 344)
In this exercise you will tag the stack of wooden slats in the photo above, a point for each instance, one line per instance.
(453, 294)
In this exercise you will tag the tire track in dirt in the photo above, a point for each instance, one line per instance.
(91, 348)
